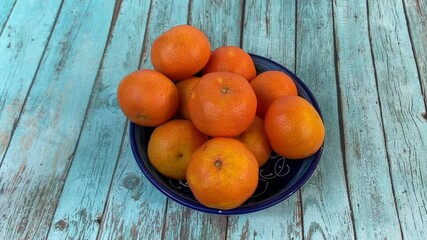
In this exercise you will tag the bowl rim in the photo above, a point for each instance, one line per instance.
(245, 209)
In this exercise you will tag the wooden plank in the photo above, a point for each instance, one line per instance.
(370, 189)
(219, 20)
(129, 208)
(402, 106)
(81, 204)
(21, 47)
(185, 223)
(325, 202)
(135, 209)
(36, 164)
(416, 14)
(269, 30)
(6, 8)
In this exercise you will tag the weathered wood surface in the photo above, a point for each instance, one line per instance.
(66, 167)
(370, 189)
(402, 106)
(81, 205)
(416, 17)
(22, 47)
(6, 8)
(325, 203)
(139, 212)
(42, 148)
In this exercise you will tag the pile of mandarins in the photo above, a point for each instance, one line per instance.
(216, 120)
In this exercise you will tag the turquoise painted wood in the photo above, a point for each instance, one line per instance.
(135, 209)
(416, 15)
(370, 189)
(81, 205)
(22, 47)
(402, 105)
(325, 204)
(6, 7)
(121, 210)
(269, 30)
(220, 20)
(42, 147)
(66, 166)
(193, 224)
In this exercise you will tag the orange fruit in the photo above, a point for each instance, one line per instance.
(171, 146)
(222, 104)
(256, 141)
(231, 59)
(222, 173)
(294, 127)
(147, 97)
(269, 86)
(180, 52)
(184, 88)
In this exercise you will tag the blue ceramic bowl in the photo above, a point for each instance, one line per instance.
(279, 178)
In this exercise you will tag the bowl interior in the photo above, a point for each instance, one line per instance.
(278, 178)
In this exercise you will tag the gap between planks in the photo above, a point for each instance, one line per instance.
(340, 117)
(7, 17)
(382, 119)
(32, 80)
(64, 177)
(424, 94)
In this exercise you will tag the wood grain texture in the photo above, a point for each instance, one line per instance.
(370, 189)
(326, 210)
(135, 209)
(402, 106)
(282, 221)
(81, 204)
(139, 212)
(6, 8)
(21, 47)
(269, 30)
(185, 223)
(41, 150)
(220, 21)
(416, 14)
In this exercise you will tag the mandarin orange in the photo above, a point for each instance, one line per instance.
(222, 104)
(222, 173)
(171, 146)
(269, 86)
(184, 88)
(231, 59)
(294, 127)
(147, 97)
(256, 141)
(180, 52)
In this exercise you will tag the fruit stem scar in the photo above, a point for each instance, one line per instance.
(225, 90)
(218, 164)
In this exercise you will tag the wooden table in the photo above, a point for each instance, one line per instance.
(66, 166)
